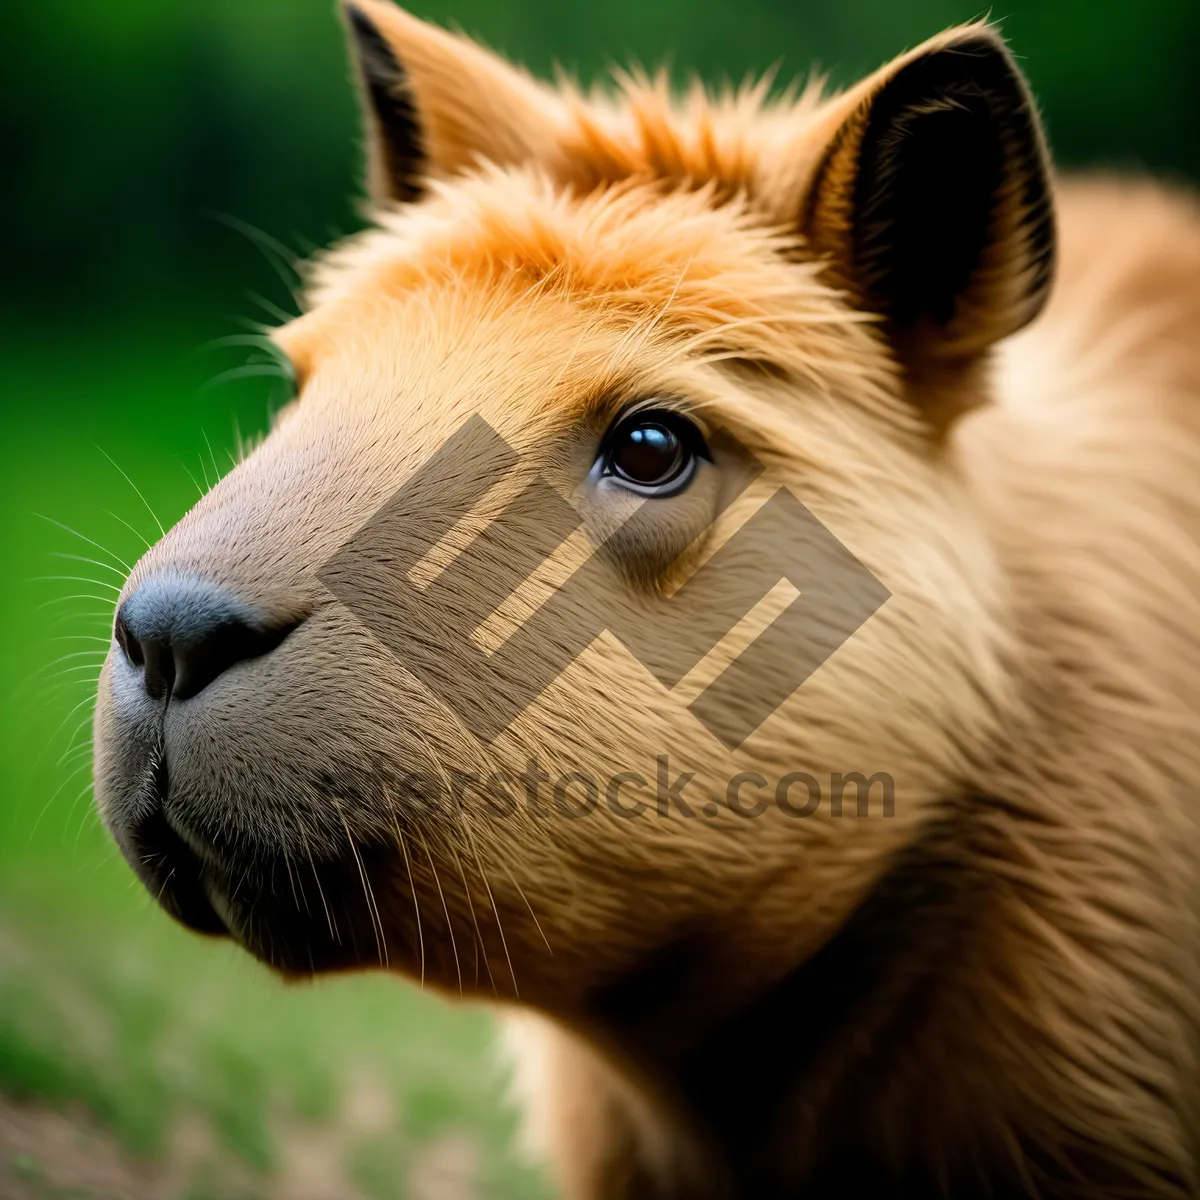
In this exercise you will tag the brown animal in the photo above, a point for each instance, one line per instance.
(992, 991)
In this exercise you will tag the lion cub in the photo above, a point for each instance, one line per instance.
(693, 603)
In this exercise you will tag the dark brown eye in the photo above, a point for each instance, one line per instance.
(654, 452)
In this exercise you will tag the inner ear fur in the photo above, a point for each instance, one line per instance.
(435, 103)
(932, 201)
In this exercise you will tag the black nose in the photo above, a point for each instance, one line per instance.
(182, 632)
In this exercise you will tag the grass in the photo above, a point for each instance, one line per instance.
(181, 1052)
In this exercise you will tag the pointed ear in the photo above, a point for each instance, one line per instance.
(435, 103)
(932, 199)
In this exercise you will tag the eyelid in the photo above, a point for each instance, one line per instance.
(671, 404)
(651, 404)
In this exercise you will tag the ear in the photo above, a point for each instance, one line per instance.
(435, 103)
(932, 200)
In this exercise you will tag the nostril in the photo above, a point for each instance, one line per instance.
(158, 674)
(182, 633)
(130, 646)
(198, 659)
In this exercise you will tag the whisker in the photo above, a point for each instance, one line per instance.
(273, 250)
(89, 814)
(412, 883)
(256, 341)
(445, 909)
(212, 455)
(368, 893)
(74, 596)
(333, 929)
(132, 529)
(85, 748)
(54, 796)
(74, 669)
(287, 863)
(137, 490)
(95, 562)
(103, 618)
(170, 876)
(270, 308)
(84, 538)
(495, 910)
(521, 893)
(87, 699)
(249, 371)
(480, 944)
(191, 477)
(75, 579)
(93, 653)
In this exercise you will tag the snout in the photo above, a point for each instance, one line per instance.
(175, 636)
(232, 772)
(180, 633)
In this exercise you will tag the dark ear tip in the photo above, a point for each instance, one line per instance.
(982, 41)
(358, 22)
(376, 57)
(396, 152)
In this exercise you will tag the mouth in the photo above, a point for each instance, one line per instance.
(168, 867)
(299, 922)
(174, 874)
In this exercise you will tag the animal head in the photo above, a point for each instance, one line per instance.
(429, 682)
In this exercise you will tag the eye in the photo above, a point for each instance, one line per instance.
(653, 451)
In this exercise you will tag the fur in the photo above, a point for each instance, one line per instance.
(994, 992)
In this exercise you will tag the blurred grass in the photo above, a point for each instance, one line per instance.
(105, 1003)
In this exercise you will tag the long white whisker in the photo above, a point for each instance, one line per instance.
(141, 537)
(495, 910)
(95, 562)
(76, 579)
(192, 477)
(445, 909)
(333, 930)
(84, 538)
(74, 669)
(90, 698)
(75, 596)
(270, 307)
(95, 653)
(273, 250)
(480, 944)
(89, 814)
(368, 893)
(521, 893)
(78, 595)
(247, 372)
(54, 796)
(412, 883)
(212, 455)
(138, 491)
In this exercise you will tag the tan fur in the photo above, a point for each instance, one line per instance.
(1024, 932)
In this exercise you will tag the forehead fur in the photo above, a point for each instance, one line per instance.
(654, 213)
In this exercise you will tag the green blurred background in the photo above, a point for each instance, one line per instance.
(142, 141)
